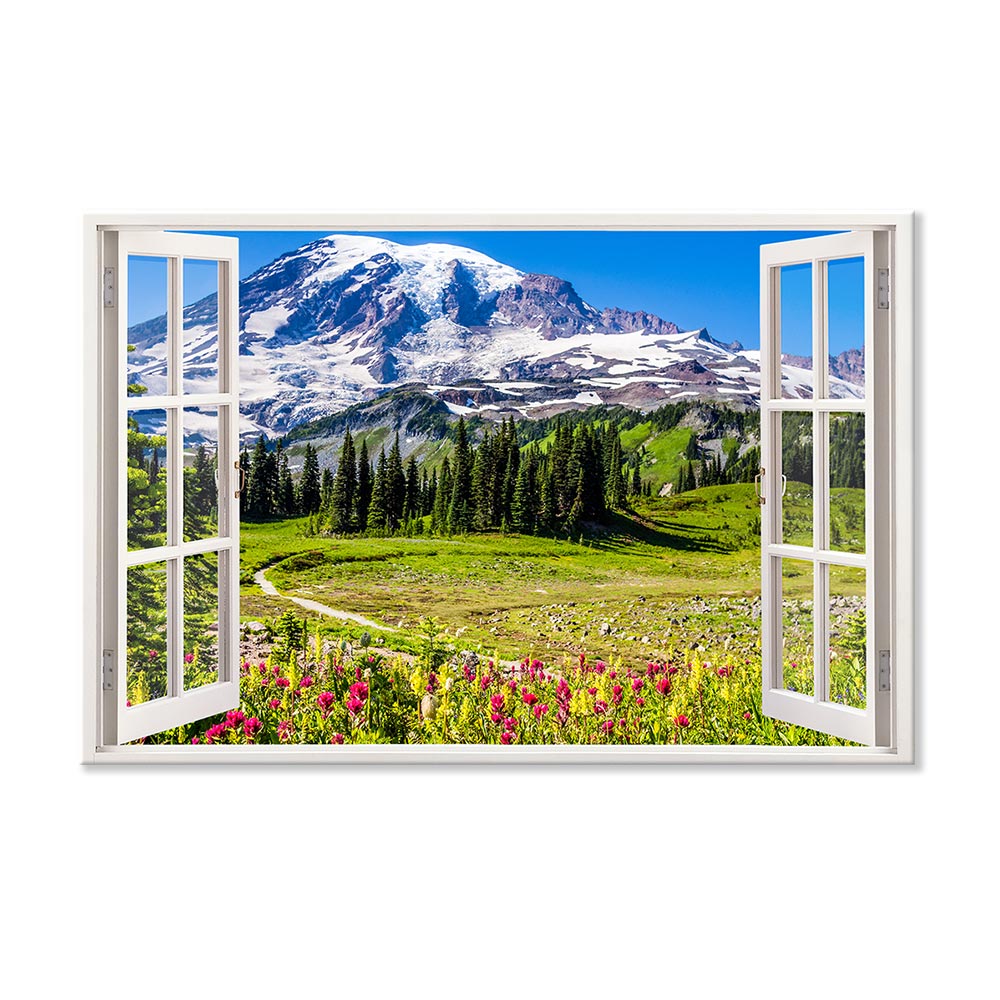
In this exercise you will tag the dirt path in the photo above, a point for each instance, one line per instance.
(348, 616)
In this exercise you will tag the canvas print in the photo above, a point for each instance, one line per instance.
(498, 487)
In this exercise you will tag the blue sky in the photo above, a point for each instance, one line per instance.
(695, 279)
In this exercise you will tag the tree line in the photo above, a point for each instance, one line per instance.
(580, 477)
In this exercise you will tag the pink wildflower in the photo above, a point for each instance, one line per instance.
(600, 707)
(337, 738)
(275, 703)
(682, 720)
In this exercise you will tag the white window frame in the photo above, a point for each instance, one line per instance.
(898, 602)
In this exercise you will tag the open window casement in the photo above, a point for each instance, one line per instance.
(825, 482)
(170, 484)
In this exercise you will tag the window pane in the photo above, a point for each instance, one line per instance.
(201, 620)
(796, 332)
(797, 625)
(848, 632)
(201, 495)
(146, 668)
(146, 460)
(845, 284)
(201, 326)
(847, 482)
(146, 365)
(797, 467)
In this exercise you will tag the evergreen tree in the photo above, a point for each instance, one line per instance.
(442, 499)
(460, 503)
(285, 496)
(343, 501)
(636, 487)
(308, 492)
(524, 502)
(483, 481)
(364, 493)
(325, 493)
(259, 494)
(378, 510)
(395, 486)
(413, 505)
(616, 481)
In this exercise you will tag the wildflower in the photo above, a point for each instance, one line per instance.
(724, 671)
(528, 697)
(540, 710)
(285, 730)
(324, 701)
(600, 707)
(637, 684)
(640, 702)
(194, 739)
(252, 726)
(432, 683)
(612, 674)
(537, 665)
(234, 718)
(512, 684)
(496, 718)
(496, 702)
(189, 658)
(510, 724)
(359, 690)
(600, 666)
(354, 705)
(282, 682)
(672, 670)
(153, 654)
(128, 702)
(608, 727)
(616, 693)
(275, 703)
(591, 691)
(306, 682)
(583, 659)
(682, 720)
(337, 738)
(663, 685)
(262, 668)
(485, 680)
(621, 722)
(748, 715)
(506, 738)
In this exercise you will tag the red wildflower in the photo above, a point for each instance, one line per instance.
(324, 700)
(153, 654)
(528, 697)
(189, 658)
(496, 702)
(591, 691)
(608, 727)
(724, 671)
(306, 682)
(663, 685)
(359, 690)
(497, 718)
(682, 720)
(506, 738)
(747, 715)
(640, 702)
(600, 707)
(337, 738)
(194, 739)
(540, 710)
(252, 726)
(616, 693)
(282, 682)
(275, 703)
(285, 730)
(637, 684)
(510, 723)
(354, 705)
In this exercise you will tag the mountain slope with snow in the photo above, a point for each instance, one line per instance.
(346, 318)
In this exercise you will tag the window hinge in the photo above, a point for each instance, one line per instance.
(108, 670)
(109, 288)
(883, 288)
(884, 670)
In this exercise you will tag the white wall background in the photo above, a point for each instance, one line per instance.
(471, 882)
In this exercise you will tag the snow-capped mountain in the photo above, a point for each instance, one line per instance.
(345, 318)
